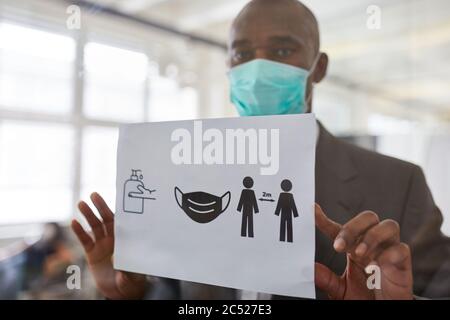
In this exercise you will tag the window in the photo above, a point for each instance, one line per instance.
(114, 83)
(396, 137)
(36, 162)
(380, 124)
(43, 134)
(36, 70)
(99, 163)
(167, 102)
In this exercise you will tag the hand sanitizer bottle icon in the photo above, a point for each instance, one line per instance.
(132, 204)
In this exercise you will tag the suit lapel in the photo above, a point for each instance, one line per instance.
(337, 189)
(336, 176)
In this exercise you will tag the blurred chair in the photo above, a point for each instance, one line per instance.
(36, 269)
(12, 270)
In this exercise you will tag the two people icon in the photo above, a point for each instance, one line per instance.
(286, 209)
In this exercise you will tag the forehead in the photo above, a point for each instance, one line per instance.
(261, 24)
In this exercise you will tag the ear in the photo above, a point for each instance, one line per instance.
(321, 69)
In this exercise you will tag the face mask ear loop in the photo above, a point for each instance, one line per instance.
(313, 67)
(308, 100)
(228, 193)
(177, 192)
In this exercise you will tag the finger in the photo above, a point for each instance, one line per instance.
(131, 285)
(83, 237)
(329, 282)
(354, 229)
(396, 269)
(398, 255)
(102, 207)
(134, 277)
(95, 224)
(326, 225)
(105, 212)
(383, 235)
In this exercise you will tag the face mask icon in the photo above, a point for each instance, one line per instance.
(202, 207)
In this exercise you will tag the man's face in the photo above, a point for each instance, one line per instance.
(274, 33)
(281, 31)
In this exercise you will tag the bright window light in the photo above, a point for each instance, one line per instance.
(99, 163)
(114, 83)
(37, 159)
(36, 70)
(169, 102)
(36, 43)
(36, 162)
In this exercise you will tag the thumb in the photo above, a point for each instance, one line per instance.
(133, 277)
(131, 285)
(327, 226)
(327, 281)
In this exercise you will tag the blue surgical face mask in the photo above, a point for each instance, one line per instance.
(264, 87)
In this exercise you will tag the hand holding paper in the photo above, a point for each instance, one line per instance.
(99, 251)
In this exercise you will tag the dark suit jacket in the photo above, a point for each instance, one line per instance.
(350, 180)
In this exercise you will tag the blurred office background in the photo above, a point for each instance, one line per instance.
(64, 92)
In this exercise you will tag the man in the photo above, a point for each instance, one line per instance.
(379, 210)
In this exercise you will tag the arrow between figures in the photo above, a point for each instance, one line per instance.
(268, 200)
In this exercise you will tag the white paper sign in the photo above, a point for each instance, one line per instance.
(228, 202)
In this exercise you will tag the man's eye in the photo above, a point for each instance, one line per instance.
(242, 55)
(283, 53)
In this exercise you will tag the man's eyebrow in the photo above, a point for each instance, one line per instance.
(240, 43)
(272, 40)
(286, 39)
